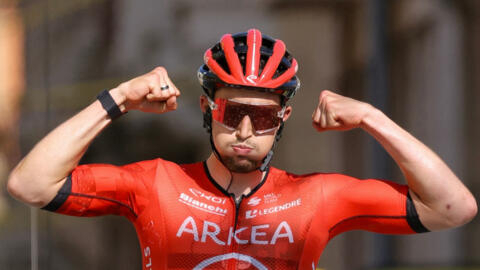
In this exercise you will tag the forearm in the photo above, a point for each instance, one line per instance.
(39, 175)
(439, 194)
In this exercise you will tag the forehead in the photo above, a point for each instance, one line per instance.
(247, 95)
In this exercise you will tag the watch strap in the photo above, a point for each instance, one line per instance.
(109, 105)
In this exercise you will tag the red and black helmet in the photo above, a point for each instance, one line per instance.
(249, 60)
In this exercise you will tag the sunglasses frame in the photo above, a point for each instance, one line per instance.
(213, 106)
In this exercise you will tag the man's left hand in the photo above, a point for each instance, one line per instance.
(336, 112)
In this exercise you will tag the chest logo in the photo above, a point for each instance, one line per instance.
(202, 205)
(200, 194)
(210, 232)
(229, 256)
(254, 201)
(274, 209)
(271, 197)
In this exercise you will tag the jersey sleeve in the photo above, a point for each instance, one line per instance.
(101, 189)
(373, 205)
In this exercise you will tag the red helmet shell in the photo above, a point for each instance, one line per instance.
(256, 61)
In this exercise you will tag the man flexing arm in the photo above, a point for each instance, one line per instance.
(440, 198)
(38, 177)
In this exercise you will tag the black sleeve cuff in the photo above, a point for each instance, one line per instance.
(61, 196)
(412, 217)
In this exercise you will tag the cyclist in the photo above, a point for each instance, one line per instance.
(234, 210)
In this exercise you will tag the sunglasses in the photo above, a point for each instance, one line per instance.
(230, 113)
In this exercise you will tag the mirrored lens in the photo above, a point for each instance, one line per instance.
(230, 113)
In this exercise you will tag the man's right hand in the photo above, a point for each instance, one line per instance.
(145, 93)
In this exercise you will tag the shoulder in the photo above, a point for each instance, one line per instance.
(330, 183)
(143, 165)
(161, 172)
(151, 165)
(146, 169)
(315, 176)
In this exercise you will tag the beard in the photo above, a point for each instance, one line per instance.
(240, 164)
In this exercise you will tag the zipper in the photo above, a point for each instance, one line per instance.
(237, 209)
(234, 245)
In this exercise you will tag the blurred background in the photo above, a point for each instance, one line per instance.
(417, 60)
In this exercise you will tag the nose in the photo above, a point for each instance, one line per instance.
(244, 129)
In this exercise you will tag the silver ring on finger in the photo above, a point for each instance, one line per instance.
(164, 87)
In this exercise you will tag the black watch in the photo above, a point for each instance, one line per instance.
(109, 105)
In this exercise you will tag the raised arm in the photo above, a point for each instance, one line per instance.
(440, 198)
(39, 175)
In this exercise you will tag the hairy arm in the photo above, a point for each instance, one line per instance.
(441, 199)
(41, 173)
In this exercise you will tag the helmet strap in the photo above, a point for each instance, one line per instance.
(207, 121)
(207, 124)
(268, 158)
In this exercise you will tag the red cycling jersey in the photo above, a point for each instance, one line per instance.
(185, 220)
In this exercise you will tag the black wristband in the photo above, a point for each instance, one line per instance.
(109, 104)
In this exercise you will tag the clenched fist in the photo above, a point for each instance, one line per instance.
(152, 92)
(336, 112)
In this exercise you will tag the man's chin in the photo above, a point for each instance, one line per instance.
(240, 165)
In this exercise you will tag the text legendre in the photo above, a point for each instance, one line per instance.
(274, 209)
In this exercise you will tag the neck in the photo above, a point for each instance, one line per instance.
(236, 183)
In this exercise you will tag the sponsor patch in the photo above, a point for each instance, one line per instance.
(254, 201)
(274, 209)
(200, 194)
(190, 201)
(271, 197)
